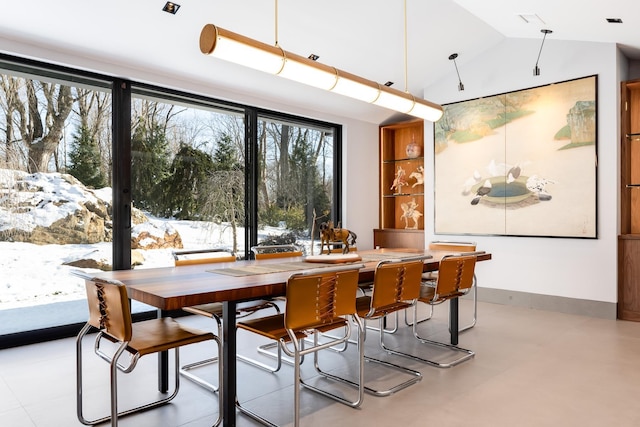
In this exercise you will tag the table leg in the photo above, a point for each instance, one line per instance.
(228, 388)
(163, 366)
(453, 320)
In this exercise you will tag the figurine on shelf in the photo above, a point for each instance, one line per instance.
(400, 180)
(418, 175)
(410, 212)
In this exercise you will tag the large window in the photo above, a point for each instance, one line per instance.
(200, 173)
(295, 181)
(55, 178)
(187, 177)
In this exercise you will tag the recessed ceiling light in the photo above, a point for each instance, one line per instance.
(531, 18)
(614, 20)
(171, 8)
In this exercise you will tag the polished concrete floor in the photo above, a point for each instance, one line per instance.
(532, 368)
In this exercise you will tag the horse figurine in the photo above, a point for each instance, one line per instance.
(330, 235)
(399, 180)
(418, 175)
(410, 212)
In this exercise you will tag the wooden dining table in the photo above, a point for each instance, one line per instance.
(172, 288)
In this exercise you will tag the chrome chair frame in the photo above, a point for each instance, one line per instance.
(464, 248)
(405, 290)
(324, 318)
(213, 310)
(108, 319)
(456, 272)
(260, 252)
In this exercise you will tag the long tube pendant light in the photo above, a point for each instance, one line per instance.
(233, 47)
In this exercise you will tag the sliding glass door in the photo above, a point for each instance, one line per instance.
(99, 174)
(55, 179)
(296, 191)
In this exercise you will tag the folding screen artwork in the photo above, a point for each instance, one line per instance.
(521, 163)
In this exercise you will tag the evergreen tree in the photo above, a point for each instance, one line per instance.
(226, 156)
(85, 163)
(187, 184)
(149, 167)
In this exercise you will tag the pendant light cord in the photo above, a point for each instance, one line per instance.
(276, 21)
(406, 55)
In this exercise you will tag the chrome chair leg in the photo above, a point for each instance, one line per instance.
(415, 375)
(475, 307)
(466, 354)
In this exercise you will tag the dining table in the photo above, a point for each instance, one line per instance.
(230, 283)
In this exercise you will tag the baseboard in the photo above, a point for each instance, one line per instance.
(603, 310)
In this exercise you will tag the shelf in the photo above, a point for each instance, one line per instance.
(406, 159)
(402, 150)
(403, 194)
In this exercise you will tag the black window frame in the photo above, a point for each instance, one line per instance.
(122, 90)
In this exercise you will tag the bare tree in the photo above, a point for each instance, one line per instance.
(225, 199)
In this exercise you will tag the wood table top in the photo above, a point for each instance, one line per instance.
(171, 288)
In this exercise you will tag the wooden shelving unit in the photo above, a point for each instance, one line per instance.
(629, 239)
(401, 151)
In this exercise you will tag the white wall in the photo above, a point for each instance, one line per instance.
(575, 268)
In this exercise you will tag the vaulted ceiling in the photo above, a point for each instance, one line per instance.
(364, 37)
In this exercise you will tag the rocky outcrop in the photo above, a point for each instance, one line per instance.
(54, 208)
(150, 235)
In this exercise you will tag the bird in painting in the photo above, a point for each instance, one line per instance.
(470, 182)
(483, 190)
(513, 173)
(538, 185)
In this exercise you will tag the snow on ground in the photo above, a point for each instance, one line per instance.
(34, 274)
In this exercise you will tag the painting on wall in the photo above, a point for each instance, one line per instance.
(521, 163)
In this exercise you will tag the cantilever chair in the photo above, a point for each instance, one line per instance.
(396, 286)
(110, 313)
(317, 301)
(462, 248)
(275, 251)
(213, 310)
(455, 279)
(264, 252)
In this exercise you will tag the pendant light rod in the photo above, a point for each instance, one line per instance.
(406, 54)
(236, 48)
(536, 69)
(276, 21)
(453, 57)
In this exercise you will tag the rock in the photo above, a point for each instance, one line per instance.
(55, 208)
(155, 235)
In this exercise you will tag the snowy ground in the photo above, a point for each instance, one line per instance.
(35, 274)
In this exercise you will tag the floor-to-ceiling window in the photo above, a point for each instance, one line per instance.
(188, 177)
(55, 178)
(296, 192)
(196, 172)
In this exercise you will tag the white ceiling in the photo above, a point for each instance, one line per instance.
(364, 37)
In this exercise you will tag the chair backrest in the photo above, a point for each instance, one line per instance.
(319, 296)
(396, 281)
(109, 308)
(439, 245)
(202, 256)
(275, 251)
(455, 276)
